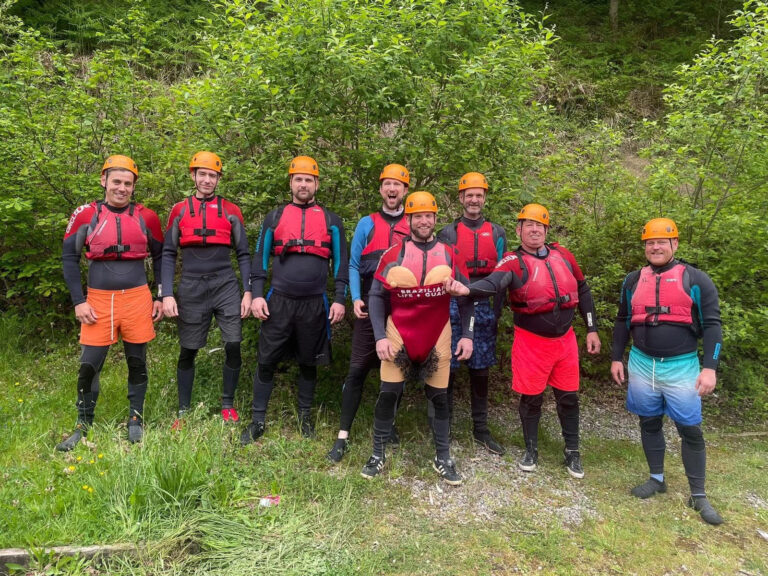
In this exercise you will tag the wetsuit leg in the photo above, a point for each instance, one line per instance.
(478, 383)
(230, 373)
(530, 414)
(351, 394)
(185, 377)
(694, 455)
(136, 357)
(654, 445)
(568, 413)
(384, 415)
(306, 390)
(263, 383)
(441, 427)
(449, 395)
(91, 362)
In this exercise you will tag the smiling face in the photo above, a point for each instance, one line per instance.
(303, 188)
(205, 182)
(660, 251)
(473, 201)
(118, 187)
(532, 235)
(422, 225)
(392, 193)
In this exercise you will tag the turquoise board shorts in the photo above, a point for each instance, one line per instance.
(664, 386)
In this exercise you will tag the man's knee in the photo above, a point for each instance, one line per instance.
(691, 435)
(137, 370)
(651, 424)
(530, 404)
(233, 358)
(567, 401)
(187, 358)
(387, 401)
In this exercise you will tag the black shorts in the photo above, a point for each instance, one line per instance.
(202, 297)
(296, 328)
(363, 352)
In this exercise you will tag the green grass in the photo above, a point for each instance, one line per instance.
(192, 497)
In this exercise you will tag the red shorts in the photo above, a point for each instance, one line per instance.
(538, 361)
(127, 313)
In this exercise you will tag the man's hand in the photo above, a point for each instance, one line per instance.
(464, 349)
(336, 313)
(85, 314)
(593, 343)
(259, 308)
(706, 381)
(157, 311)
(359, 308)
(245, 305)
(455, 288)
(617, 372)
(170, 309)
(385, 350)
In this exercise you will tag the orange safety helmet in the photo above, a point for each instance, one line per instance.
(420, 202)
(535, 212)
(207, 160)
(659, 228)
(396, 172)
(473, 180)
(122, 162)
(304, 165)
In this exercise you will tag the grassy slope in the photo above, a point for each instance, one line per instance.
(198, 491)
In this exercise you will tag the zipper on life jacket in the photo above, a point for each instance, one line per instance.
(204, 211)
(658, 303)
(119, 238)
(424, 268)
(301, 239)
(476, 256)
(554, 284)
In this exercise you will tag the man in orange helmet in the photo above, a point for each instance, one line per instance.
(118, 236)
(206, 227)
(373, 235)
(415, 339)
(666, 307)
(546, 286)
(480, 244)
(302, 238)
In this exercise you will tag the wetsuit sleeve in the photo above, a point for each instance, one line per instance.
(502, 277)
(170, 250)
(155, 246)
(260, 262)
(74, 240)
(466, 304)
(378, 298)
(500, 238)
(448, 235)
(586, 302)
(709, 316)
(359, 239)
(240, 245)
(340, 254)
(621, 332)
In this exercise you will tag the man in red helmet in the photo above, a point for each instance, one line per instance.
(302, 239)
(373, 235)
(666, 307)
(546, 286)
(415, 338)
(480, 244)
(118, 235)
(207, 227)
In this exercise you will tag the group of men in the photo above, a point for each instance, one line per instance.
(423, 302)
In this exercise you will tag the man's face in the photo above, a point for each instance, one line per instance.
(303, 188)
(118, 187)
(532, 234)
(205, 181)
(392, 192)
(422, 225)
(473, 201)
(659, 251)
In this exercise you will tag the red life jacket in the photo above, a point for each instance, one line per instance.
(200, 225)
(383, 235)
(550, 283)
(113, 236)
(419, 313)
(661, 298)
(477, 246)
(303, 230)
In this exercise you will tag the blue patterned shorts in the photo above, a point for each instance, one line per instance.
(484, 354)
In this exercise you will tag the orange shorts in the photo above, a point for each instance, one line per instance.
(124, 313)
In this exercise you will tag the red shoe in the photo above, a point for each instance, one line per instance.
(230, 415)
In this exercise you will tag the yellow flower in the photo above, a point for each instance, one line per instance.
(85, 486)
(101, 456)
(91, 461)
(79, 458)
(90, 490)
(71, 468)
(16, 384)
(20, 400)
(101, 473)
